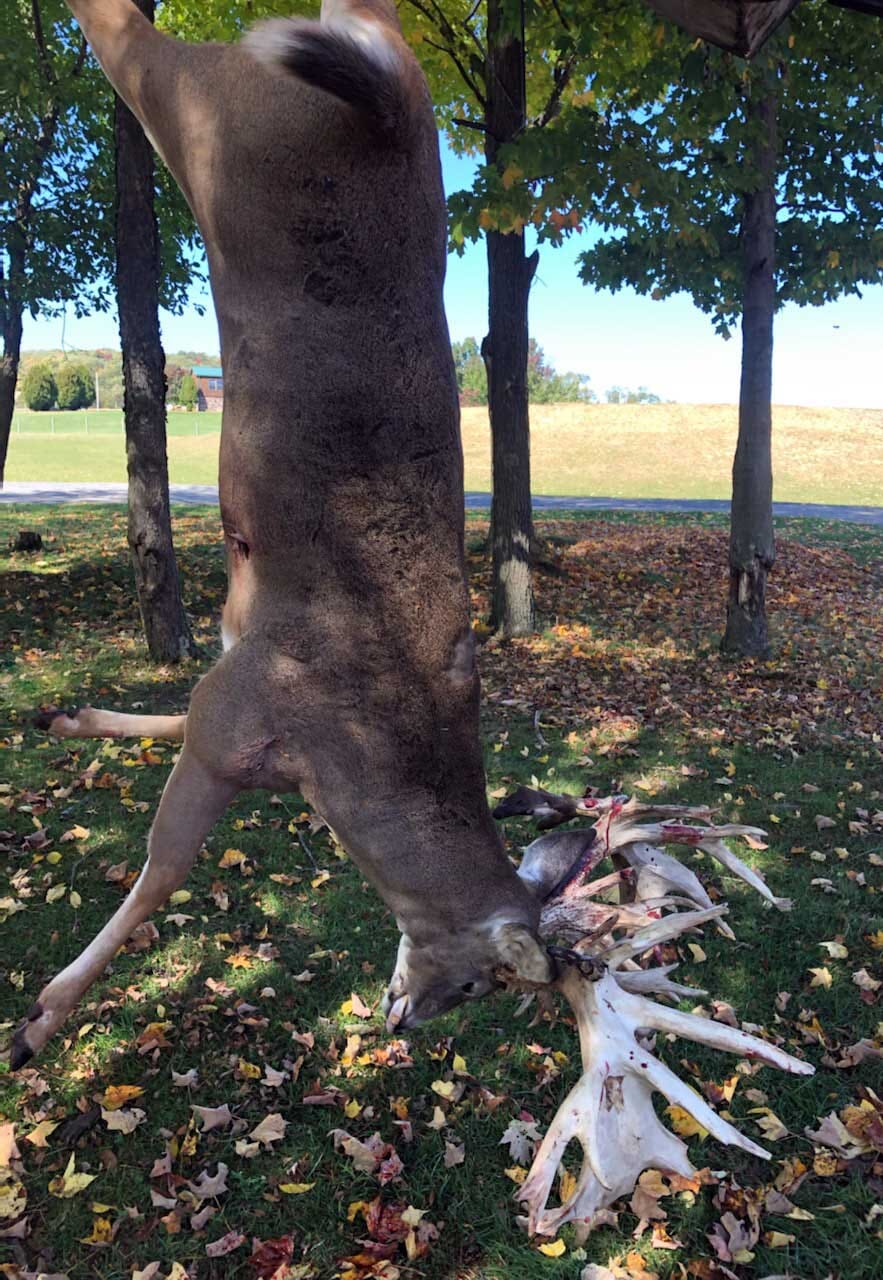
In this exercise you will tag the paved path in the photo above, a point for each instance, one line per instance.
(202, 494)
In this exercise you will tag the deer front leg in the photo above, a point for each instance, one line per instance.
(92, 722)
(193, 799)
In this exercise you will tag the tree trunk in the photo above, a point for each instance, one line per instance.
(12, 331)
(752, 542)
(137, 280)
(504, 349)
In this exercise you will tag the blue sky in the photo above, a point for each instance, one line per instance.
(827, 355)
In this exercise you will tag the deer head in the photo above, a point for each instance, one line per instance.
(436, 975)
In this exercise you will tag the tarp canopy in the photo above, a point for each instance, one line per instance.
(741, 26)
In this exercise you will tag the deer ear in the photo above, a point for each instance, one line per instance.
(519, 949)
(552, 859)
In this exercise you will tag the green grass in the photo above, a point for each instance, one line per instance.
(620, 651)
(104, 422)
(629, 451)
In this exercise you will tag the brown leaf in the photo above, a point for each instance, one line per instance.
(227, 1244)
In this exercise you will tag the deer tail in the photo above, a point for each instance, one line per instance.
(358, 60)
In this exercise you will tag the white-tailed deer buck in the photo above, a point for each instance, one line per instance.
(309, 156)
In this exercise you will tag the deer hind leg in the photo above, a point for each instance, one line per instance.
(92, 722)
(194, 798)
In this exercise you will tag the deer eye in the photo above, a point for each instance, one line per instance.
(468, 988)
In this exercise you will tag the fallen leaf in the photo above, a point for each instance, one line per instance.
(683, 1123)
(271, 1129)
(126, 1120)
(70, 1183)
(213, 1117)
(227, 1244)
(38, 1135)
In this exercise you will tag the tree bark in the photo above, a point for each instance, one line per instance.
(510, 273)
(137, 281)
(752, 541)
(9, 362)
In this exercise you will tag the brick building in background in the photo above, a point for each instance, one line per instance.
(209, 387)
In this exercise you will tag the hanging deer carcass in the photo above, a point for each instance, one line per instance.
(309, 156)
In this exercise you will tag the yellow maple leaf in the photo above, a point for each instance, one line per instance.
(444, 1088)
(296, 1188)
(683, 1123)
(102, 1232)
(566, 1186)
(39, 1135)
(117, 1095)
(232, 858)
(249, 1070)
(876, 939)
(554, 1250)
(70, 1183)
(515, 1174)
(821, 977)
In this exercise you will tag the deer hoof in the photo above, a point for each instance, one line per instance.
(22, 1052)
(61, 724)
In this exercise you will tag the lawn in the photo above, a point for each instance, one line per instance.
(629, 451)
(248, 980)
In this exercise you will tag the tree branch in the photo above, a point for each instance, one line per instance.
(561, 78)
(470, 124)
(42, 51)
(448, 33)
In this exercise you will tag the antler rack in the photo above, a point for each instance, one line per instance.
(608, 923)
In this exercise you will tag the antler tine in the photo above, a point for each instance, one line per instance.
(716, 847)
(655, 981)
(662, 930)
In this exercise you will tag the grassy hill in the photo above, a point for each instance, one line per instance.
(631, 451)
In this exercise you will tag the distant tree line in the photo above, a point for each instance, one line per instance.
(544, 384)
(47, 375)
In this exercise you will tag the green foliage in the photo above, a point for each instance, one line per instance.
(39, 389)
(625, 395)
(188, 392)
(679, 169)
(577, 58)
(175, 375)
(75, 387)
(544, 385)
(471, 372)
(57, 176)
